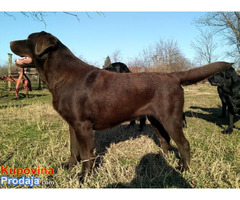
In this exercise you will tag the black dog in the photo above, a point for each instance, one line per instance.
(228, 86)
(120, 67)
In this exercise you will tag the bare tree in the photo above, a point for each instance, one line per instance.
(136, 65)
(40, 16)
(146, 57)
(205, 47)
(167, 53)
(116, 56)
(228, 25)
(166, 56)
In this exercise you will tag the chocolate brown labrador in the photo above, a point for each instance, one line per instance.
(88, 98)
(120, 67)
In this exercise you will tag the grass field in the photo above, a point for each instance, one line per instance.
(32, 134)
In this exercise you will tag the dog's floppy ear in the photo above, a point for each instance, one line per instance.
(44, 42)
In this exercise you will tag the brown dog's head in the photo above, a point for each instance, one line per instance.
(33, 48)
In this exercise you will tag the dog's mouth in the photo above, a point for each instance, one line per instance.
(23, 61)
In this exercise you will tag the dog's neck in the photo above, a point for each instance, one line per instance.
(53, 74)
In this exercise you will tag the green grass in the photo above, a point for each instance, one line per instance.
(32, 134)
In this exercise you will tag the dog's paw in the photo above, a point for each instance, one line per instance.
(68, 165)
(181, 167)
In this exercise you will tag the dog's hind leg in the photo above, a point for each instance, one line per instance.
(174, 128)
(162, 135)
(132, 123)
(184, 121)
(142, 122)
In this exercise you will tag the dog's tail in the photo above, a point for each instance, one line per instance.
(195, 75)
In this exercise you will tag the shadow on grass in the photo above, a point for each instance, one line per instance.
(12, 96)
(16, 101)
(211, 115)
(23, 96)
(121, 133)
(14, 105)
(154, 172)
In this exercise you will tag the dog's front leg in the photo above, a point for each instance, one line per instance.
(74, 149)
(229, 129)
(83, 144)
(224, 107)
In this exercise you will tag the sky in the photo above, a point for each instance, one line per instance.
(97, 35)
(121, 26)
